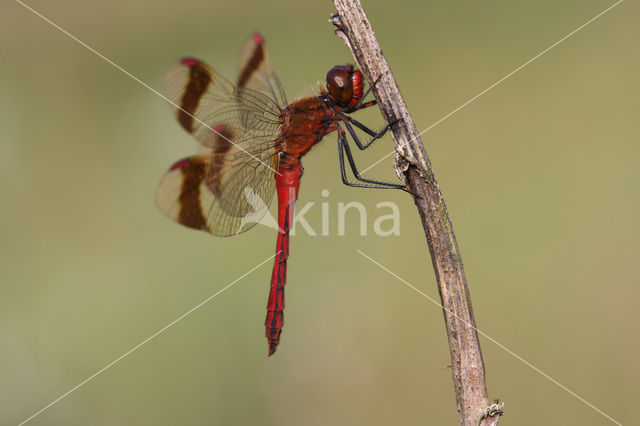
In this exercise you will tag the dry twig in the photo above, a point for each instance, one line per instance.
(412, 164)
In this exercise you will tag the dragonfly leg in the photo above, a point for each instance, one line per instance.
(374, 135)
(343, 148)
(363, 105)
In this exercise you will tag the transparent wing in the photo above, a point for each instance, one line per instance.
(224, 194)
(207, 101)
(255, 73)
(227, 187)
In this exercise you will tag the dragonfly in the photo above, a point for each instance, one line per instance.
(251, 141)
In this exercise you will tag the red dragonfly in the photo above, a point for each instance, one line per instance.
(251, 142)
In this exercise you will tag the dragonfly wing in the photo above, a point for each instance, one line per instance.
(255, 73)
(221, 190)
(228, 186)
(204, 101)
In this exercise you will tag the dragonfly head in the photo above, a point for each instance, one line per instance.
(345, 85)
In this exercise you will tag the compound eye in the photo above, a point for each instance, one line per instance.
(339, 84)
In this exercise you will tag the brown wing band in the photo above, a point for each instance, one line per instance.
(257, 58)
(199, 80)
(191, 214)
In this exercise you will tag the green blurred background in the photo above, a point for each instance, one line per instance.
(540, 175)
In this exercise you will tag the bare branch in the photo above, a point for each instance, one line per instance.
(412, 164)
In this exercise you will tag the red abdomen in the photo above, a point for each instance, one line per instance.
(287, 184)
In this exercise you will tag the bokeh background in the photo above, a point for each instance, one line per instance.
(540, 176)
